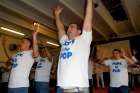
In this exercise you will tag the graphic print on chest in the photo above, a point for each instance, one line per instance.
(116, 66)
(14, 63)
(40, 63)
(66, 51)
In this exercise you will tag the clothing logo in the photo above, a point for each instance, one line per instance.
(14, 60)
(67, 43)
(116, 66)
(40, 63)
(66, 52)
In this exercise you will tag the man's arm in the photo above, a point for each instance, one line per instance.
(5, 67)
(48, 54)
(129, 60)
(59, 23)
(35, 45)
(4, 47)
(87, 25)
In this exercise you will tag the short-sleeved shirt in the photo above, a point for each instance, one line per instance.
(21, 65)
(118, 72)
(43, 68)
(73, 61)
(6, 74)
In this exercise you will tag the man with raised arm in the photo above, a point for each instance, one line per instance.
(118, 68)
(43, 69)
(72, 73)
(22, 63)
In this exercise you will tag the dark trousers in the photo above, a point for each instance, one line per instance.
(91, 85)
(122, 89)
(4, 87)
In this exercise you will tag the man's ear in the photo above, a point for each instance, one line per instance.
(79, 31)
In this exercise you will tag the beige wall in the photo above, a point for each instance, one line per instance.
(107, 48)
(9, 40)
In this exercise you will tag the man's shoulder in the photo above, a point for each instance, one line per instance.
(86, 32)
(122, 59)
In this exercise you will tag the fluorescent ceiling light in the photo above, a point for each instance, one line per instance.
(9, 30)
(52, 43)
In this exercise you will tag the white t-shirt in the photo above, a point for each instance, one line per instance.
(21, 66)
(134, 59)
(73, 61)
(90, 69)
(118, 72)
(5, 76)
(42, 72)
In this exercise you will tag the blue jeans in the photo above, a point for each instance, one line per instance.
(18, 90)
(60, 90)
(122, 89)
(42, 87)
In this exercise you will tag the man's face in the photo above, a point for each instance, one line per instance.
(116, 54)
(24, 44)
(73, 31)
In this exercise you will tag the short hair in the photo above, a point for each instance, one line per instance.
(30, 40)
(78, 27)
(118, 50)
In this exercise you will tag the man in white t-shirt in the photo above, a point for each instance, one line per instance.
(118, 71)
(72, 72)
(21, 66)
(42, 72)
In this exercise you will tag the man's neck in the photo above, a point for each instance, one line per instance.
(117, 58)
(72, 37)
(24, 50)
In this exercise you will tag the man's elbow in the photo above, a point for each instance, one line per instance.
(35, 54)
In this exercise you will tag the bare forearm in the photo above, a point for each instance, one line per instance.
(4, 67)
(35, 47)
(88, 16)
(60, 26)
(4, 48)
(128, 60)
(48, 54)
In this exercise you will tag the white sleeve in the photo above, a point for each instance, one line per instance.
(63, 39)
(134, 59)
(125, 63)
(87, 36)
(37, 59)
(107, 62)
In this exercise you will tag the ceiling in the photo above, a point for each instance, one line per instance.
(112, 18)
